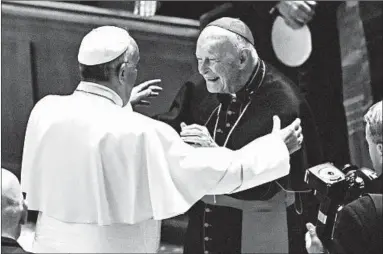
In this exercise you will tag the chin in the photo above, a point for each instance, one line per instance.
(213, 88)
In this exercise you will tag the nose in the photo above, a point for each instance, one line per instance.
(202, 66)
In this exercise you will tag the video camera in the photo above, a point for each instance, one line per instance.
(334, 189)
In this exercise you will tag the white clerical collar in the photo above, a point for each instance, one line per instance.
(99, 90)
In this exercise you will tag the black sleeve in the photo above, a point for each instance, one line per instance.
(311, 152)
(178, 109)
(349, 229)
(189, 105)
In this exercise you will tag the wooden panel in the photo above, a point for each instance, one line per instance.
(16, 99)
(166, 45)
(57, 74)
(40, 41)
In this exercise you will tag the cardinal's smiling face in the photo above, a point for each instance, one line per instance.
(218, 61)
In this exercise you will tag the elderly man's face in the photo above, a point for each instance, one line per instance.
(218, 62)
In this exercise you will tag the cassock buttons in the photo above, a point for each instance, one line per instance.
(230, 112)
(206, 252)
(206, 225)
(206, 239)
(219, 130)
(228, 124)
(208, 210)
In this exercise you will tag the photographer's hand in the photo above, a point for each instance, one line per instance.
(313, 243)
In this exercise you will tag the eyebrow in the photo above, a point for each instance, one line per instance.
(210, 55)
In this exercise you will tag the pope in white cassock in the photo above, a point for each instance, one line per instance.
(103, 177)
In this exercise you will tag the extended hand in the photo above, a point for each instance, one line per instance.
(291, 135)
(296, 13)
(313, 243)
(196, 135)
(145, 90)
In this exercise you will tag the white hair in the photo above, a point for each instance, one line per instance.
(238, 41)
(242, 43)
(374, 119)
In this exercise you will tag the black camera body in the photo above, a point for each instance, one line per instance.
(334, 188)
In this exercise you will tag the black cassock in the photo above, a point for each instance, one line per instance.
(319, 78)
(243, 118)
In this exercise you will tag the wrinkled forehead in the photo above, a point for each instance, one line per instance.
(215, 40)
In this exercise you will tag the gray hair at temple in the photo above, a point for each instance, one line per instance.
(373, 118)
(242, 43)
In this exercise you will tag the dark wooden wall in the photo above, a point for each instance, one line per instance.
(39, 57)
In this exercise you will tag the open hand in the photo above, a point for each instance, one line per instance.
(196, 135)
(291, 134)
(145, 90)
(296, 13)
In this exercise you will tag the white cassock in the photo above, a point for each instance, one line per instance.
(102, 176)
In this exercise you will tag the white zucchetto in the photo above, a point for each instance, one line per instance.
(103, 44)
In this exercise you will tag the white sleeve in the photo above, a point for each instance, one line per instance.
(263, 160)
(180, 175)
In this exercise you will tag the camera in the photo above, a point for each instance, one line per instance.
(335, 188)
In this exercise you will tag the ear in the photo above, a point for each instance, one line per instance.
(244, 56)
(122, 73)
(380, 149)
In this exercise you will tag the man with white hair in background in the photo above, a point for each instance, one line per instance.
(13, 213)
(102, 176)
